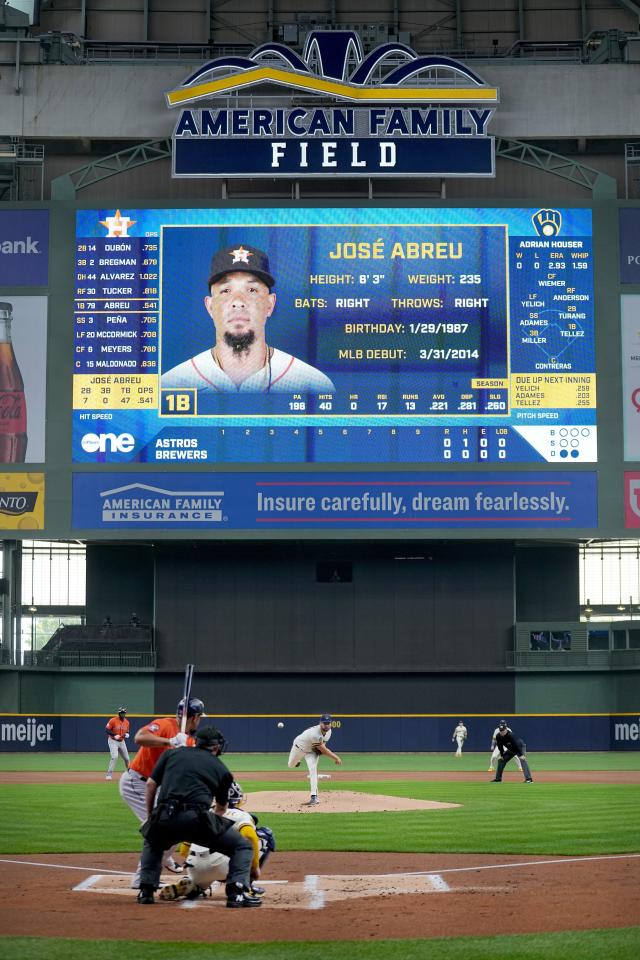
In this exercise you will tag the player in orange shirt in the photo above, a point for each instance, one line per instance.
(153, 740)
(117, 732)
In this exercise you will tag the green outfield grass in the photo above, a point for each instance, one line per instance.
(394, 762)
(620, 944)
(83, 818)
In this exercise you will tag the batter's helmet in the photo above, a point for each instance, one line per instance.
(502, 725)
(122, 709)
(236, 794)
(195, 708)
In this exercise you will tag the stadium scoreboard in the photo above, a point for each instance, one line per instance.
(446, 335)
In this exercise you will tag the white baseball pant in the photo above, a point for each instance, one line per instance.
(117, 747)
(311, 760)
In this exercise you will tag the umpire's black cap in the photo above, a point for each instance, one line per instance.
(208, 737)
(240, 257)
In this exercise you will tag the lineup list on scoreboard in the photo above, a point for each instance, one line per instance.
(466, 340)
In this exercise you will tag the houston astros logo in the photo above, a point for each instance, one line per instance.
(240, 255)
(117, 225)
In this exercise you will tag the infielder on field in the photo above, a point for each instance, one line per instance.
(459, 737)
(309, 746)
(117, 732)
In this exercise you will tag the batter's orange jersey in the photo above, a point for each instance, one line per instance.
(117, 727)
(147, 757)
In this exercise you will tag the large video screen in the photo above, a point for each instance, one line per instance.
(334, 335)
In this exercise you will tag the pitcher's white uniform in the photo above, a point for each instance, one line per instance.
(459, 735)
(302, 749)
(496, 753)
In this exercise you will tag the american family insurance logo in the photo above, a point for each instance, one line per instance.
(632, 500)
(138, 502)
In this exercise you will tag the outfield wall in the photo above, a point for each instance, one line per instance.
(31, 733)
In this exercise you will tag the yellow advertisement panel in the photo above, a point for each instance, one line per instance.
(21, 501)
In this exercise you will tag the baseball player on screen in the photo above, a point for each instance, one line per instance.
(240, 300)
(117, 732)
(309, 746)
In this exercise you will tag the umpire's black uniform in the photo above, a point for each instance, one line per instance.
(188, 780)
(510, 747)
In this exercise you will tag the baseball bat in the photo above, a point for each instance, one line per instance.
(188, 679)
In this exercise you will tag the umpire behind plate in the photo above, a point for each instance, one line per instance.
(186, 782)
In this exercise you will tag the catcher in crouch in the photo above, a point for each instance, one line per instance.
(205, 868)
(309, 746)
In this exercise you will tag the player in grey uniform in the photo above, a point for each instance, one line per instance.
(309, 746)
(240, 302)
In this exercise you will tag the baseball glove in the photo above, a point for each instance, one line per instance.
(317, 751)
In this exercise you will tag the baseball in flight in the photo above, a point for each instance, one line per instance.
(280, 725)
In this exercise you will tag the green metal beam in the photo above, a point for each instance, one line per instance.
(601, 185)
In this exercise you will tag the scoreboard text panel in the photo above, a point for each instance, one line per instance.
(447, 336)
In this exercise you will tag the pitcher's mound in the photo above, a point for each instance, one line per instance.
(337, 801)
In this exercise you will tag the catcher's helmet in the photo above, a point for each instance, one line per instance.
(236, 794)
(195, 708)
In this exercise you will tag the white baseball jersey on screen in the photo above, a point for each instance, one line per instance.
(311, 736)
(282, 374)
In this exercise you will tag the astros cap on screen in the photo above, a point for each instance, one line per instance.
(243, 258)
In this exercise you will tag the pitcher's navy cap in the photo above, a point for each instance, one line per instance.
(326, 718)
(243, 258)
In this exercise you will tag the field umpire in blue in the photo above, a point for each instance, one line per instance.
(510, 746)
(188, 781)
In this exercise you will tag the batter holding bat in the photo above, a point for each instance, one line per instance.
(153, 739)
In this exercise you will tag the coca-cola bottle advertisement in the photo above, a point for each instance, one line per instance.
(23, 347)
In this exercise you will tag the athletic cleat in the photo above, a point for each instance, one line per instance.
(172, 866)
(312, 802)
(145, 894)
(490, 770)
(239, 896)
(528, 780)
(495, 781)
(181, 888)
(108, 777)
(257, 891)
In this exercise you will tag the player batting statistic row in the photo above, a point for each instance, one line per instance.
(325, 335)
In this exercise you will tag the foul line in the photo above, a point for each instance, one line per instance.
(63, 866)
(507, 866)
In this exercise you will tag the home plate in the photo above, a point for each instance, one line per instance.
(313, 893)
